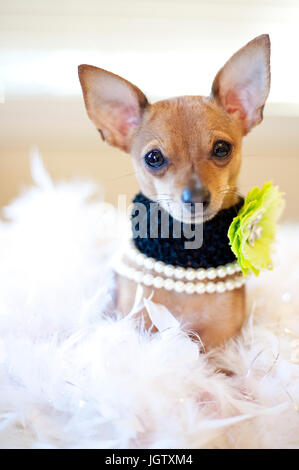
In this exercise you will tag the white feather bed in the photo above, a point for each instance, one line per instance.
(74, 374)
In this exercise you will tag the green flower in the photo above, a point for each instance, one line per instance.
(252, 232)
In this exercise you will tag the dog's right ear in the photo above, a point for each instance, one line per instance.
(113, 104)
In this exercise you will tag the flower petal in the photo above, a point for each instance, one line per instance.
(252, 231)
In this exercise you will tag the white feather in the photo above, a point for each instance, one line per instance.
(38, 171)
(74, 375)
(160, 316)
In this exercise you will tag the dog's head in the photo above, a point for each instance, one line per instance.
(185, 150)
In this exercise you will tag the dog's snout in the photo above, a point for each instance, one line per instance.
(196, 195)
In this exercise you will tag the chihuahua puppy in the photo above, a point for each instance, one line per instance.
(184, 131)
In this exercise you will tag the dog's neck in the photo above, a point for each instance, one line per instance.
(214, 251)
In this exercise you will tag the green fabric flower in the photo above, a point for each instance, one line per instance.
(252, 232)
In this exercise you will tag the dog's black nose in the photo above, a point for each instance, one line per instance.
(196, 195)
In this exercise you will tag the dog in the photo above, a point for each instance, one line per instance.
(189, 149)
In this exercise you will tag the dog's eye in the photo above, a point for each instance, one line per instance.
(155, 159)
(222, 149)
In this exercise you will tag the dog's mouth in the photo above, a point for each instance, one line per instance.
(195, 218)
(190, 213)
(198, 212)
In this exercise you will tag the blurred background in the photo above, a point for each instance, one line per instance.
(167, 48)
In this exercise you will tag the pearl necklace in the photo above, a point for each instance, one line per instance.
(176, 274)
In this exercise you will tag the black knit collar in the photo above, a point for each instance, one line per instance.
(215, 250)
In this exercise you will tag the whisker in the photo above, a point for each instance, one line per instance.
(135, 172)
(163, 200)
(230, 190)
(123, 176)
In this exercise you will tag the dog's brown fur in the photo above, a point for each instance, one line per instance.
(185, 129)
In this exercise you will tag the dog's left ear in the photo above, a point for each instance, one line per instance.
(242, 86)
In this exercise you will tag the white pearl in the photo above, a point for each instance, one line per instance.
(210, 287)
(117, 264)
(149, 263)
(201, 274)
(159, 266)
(130, 253)
(120, 271)
(286, 297)
(158, 282)
(169, 284)
(211, 273)
(148, 280)
(168, 270)
(221, 271)
(131, 273)
(230, 268)
(140, 259)
(200, 288)
(179, 273)
(230, 285)
(138, 276)
(190, 274)
(179, 286)
(220, 287)
(189, 288)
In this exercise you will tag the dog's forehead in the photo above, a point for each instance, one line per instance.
(187, 115)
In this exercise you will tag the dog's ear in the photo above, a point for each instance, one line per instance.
(242, 85)
(113, 104)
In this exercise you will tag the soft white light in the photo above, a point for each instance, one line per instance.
(159, 74)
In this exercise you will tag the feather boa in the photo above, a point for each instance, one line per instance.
(74, 374)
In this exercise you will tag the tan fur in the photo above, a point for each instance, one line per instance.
(185, 130)
(215, 317)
